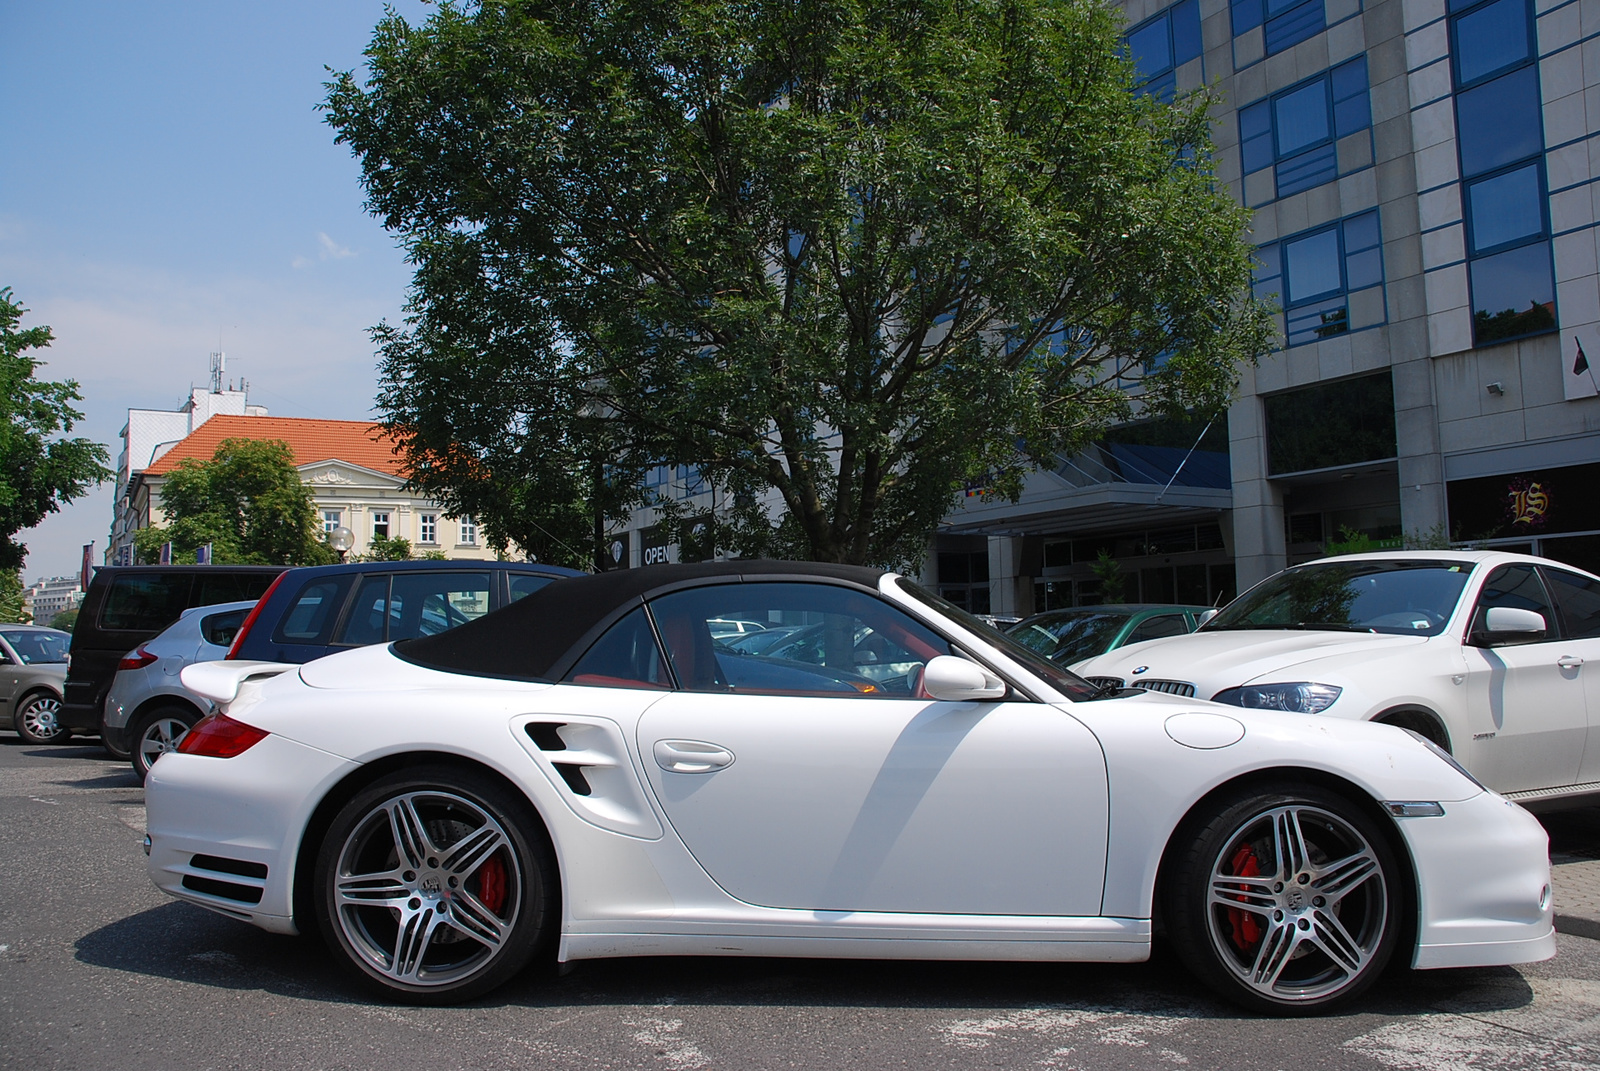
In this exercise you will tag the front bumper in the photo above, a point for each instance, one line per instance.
(1484, 894)
(224, 833)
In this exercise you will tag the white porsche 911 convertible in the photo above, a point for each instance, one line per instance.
(590, 773)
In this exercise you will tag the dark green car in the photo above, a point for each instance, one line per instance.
(1068, 636)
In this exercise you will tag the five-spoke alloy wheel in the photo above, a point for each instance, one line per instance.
(1289, 899)
(157, 733)
(38, 720)
(435, 884)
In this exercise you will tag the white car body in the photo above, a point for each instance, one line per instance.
(1030, 828)
(1519, 716)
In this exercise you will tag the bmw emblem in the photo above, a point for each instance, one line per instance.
(1141, 669)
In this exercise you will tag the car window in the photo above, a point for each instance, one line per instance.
(404, 606)
(1578, 598)
(145, 602)
(212, 588)
(1517, 586)
(848, 644)
(1414, 597)
(526, 584)
(369, 612)
(1157, 627)
(1070, 636)
(310, 617)
(627, 656)
(34, 648)
(220, 629)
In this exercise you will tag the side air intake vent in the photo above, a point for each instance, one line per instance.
(588, 762)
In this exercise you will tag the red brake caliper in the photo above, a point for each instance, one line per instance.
(1245, 926)
(492, 884)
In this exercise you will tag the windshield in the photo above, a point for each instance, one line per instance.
(1402, 597)
(1061, 679)
(1070, 636)
(35, 647)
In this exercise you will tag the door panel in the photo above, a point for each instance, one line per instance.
(1536, 707)
(901, 805)
(1577, 597)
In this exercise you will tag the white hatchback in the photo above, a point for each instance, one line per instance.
(1494, 657)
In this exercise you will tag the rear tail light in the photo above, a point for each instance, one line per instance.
(137, 658)
(249, 622)
(220, 737)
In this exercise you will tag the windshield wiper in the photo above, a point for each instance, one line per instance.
(1284, 626)
(1328, 626)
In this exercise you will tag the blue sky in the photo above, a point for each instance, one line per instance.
(166, 184)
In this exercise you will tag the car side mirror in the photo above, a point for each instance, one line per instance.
(1506, 622)
(1206, 615)
(955, 679)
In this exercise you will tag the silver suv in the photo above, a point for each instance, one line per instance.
(148, 706)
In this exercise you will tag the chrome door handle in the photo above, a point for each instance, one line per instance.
(691, 756)
(1569, 662)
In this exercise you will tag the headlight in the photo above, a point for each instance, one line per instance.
(1301, 698)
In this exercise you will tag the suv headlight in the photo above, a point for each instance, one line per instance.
(1300, 698)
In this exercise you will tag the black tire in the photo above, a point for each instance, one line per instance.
(459, 885)
(1285, 898)
(37, 719)
(157, 732)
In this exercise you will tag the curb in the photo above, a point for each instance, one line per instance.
(1577, 926)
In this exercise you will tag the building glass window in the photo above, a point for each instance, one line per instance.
(330, 519)
(380, 525)
(690, 481)
(1161, 45)
(1312, 276)
(1296, 131)
(1341, 422)
(469, 532)
(1500, 137)
(1286, 22)
(428, 528)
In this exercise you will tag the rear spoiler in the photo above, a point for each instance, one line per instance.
(220, 681)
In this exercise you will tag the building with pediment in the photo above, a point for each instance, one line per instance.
(356, 481)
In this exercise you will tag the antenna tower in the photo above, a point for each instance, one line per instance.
(219, 364)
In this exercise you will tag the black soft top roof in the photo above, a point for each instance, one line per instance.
(536, 637)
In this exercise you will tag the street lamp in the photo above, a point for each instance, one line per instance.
(341, 539)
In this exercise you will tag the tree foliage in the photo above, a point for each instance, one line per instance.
(247, 501)
(39, 470)
(855, 253)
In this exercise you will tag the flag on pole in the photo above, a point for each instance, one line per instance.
(1581, 365)
(166, 554)
(202, 555)
(87, 570)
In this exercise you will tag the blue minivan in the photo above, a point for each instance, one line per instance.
(314, 611)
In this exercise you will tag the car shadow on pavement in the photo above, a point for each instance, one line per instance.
(190, 945)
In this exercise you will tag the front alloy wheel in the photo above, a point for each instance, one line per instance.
(431, 885)
(1288, 902)
(38, 720)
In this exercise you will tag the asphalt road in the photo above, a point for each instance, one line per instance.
(100, 970)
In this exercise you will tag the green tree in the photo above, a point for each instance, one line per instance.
(858, 254)
(39, 470)
(11, 589)
(65, 620)
(247, 501)
(386, 550)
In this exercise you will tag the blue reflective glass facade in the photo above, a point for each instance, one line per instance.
(1312, 275)
(1295, 131)
(1159, 46)
(1285, 22)
(1500, 137)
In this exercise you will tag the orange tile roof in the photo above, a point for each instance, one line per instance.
(357, 442)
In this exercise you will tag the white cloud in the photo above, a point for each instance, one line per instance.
(328, 249)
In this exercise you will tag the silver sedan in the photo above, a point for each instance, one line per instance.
(33, 664)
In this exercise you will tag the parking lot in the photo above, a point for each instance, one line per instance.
(99, 970)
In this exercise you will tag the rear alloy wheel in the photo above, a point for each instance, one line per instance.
(435, 885)
(1288, 901)
(157, 733)
(38, 720)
